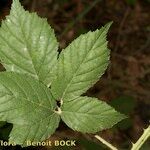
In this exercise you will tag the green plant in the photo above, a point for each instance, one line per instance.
(131, 2)
(37, 89)
(28, 51)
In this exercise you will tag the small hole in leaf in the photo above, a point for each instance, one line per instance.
(58, 103)
(56, 109)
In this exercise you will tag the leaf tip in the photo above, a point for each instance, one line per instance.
(122, 117)
(16, 4)
(108, 25)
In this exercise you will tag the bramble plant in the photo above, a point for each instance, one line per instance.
(36, 79)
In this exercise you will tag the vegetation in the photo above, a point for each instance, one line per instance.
(41, 86)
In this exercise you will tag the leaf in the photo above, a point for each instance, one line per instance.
(29, 106)
(89, 115)
(81, 64)
(28, 44)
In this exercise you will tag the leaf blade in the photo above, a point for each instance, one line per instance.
(41, 131)
(26, 103)
(81, 64)
(89, 115)
(28, 44)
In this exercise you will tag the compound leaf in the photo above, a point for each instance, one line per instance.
(89, 115)
(81, 64)
(29, 106)
(28, 44)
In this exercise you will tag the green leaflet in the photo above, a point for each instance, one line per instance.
(28, 44)
(28, 51)
(89, 115)
(29, 106)
(81, 64)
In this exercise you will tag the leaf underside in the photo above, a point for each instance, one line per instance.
(89, 115)
(29, 106)
(28, 44)
(81, 64)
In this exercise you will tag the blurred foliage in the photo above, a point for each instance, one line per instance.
(62, 1)
(89, 145)
(81, 31)
(61, 148)
(131, 2)
(125, 105)
(5, 130)
(146, 145)
(148, 1)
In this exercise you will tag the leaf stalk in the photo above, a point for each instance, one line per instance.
(110, 146)
(142, 139)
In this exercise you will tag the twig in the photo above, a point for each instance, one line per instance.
(72, 23)
(120, 28)
(142, 139)
(105, 142)
(143, 47)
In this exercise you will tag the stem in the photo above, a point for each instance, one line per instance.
(105, 142)
(80, 16)
(142, 139)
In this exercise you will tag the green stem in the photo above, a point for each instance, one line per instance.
(142, 139)
(105, 142)
(79, 17)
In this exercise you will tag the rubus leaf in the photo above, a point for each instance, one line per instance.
(29, 106)
(28, 44)
(81, 64)
(89, 115)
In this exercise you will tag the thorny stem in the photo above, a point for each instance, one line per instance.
(136, 146)
(105, 142)
(142, 139)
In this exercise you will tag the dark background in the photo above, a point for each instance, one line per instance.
(126, 83)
